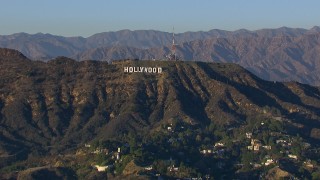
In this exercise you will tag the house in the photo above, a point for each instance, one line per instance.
(295, 157)
(170, 127)
(255, 141)
(308, 164)
(101, 168)
(278, 118)
(283, 143)
(256, 165)
(206, 151)
(101, 150)
(87, 145)
(149, 168)
(173, 168)
(97, 151)
(203, 151)
(268, 162)
(280, 141)
(219, 144)
(267, 147)
(249, 135)
(255, 145)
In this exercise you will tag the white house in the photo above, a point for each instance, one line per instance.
(219, 144)
(268, 162)
(101, 168)
(249, 135)
(87, 145)
(149, 168)
(173, 168)
(267, 147)
(293, 156)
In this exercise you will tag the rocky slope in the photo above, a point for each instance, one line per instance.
(59, 105)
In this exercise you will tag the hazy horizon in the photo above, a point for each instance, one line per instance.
(158, 30)
(83, 18)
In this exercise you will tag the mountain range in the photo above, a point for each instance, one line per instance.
(55, 107)
(46, 46)
(282, 54)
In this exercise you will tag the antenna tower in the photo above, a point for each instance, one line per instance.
(173, 56)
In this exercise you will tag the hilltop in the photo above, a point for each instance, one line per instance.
(55, 107)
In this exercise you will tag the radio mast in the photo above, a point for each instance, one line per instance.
(173, 56)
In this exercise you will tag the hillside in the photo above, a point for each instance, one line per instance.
(281, 58)
(56, 107)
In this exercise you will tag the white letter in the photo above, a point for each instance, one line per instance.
(126, 69)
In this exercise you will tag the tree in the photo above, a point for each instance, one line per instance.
(297, 146)
(101, 158)
(228, 141)
(235, 152)
(246, 158)
(95, 144)
(160, 166)
(198, 138)
(132, 143)
(219, 133)
(265, 137)
(276, 126)
(315, 175)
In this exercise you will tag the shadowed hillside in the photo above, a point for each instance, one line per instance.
(55, 107)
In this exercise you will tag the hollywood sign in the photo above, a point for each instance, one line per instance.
(142, 69)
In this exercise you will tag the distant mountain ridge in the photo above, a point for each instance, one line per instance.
(281, 54)
(46, 46)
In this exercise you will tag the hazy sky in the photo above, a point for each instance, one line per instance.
(87, 17)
